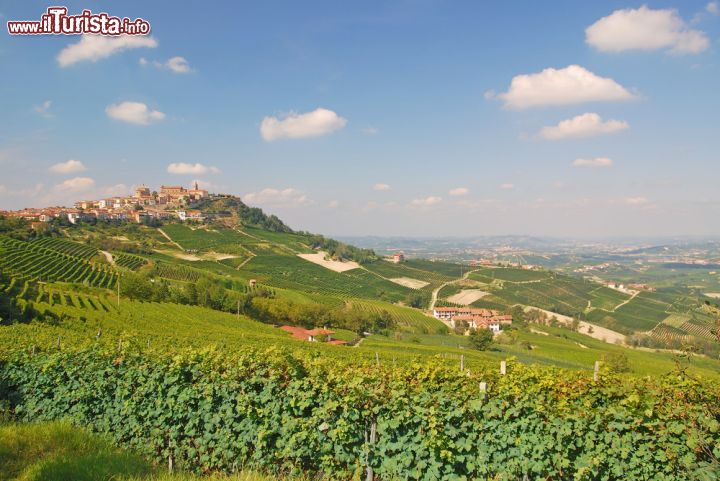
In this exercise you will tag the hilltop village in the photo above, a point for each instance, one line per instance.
(169, 202)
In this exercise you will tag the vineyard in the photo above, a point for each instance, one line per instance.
(178, 272)
(291, 272)
(129, 261)
(406, 318)
(37, 260)
(279, 410)
(75, 249)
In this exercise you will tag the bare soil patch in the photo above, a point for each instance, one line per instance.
(320, 259)
(467, 296)
(409, 282)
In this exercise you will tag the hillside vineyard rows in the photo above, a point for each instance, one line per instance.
(166, 339)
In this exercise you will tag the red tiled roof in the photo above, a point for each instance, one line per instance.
(303, 334)
(337, 342)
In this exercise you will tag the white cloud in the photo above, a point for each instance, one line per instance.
(370, 130)
(288, 197)
(75, 184)
(427, 201)
(68, 167)
(645, 29)
(97, 47)
(133, 113)
(570, 85)
(458, 191)
(174, 64)
(381, 187)
(713, 7)
(596, 162)
(507, 186)
(44, 109)
(183, 168)
(333, 204)
(297, 126)
(178, 65)
(585, 125)
(636, 201)
(115, 190)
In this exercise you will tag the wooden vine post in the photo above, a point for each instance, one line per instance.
(503, 367)
(596, 371)
(373, 435)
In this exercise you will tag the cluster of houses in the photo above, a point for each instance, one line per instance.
(629, 288)
(473, 318)
(170, 202)
(313, 335)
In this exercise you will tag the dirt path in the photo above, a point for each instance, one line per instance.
(433, 300)
(109, 257)
(170, 239)
(359, 342)
(593, 330)
(625, 302)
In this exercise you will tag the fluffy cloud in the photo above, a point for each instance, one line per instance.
(570, 85)
(68, 167)
(279, 197)
(133, 113)
(458, 191)
(713, 7)
(427, 201)
(182, 168)
(507, 186)
(381, 187)
(174, 64)
(44, 109)
(97, 47)
(596, 162)
(297, 126)
(75, 184)
(645, 29)
(585, 125)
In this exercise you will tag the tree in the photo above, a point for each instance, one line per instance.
(481, 339)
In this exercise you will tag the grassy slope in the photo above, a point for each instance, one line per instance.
(60, 452)
(165, 327)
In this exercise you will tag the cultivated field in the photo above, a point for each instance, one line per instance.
(408, 282)
(467, 296)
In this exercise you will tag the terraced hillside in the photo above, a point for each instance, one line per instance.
(54, 260)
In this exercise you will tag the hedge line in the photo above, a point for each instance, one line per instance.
(274, 411)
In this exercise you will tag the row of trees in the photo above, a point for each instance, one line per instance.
(339, 250)
(259, 304)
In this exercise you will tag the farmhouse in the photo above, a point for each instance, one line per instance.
(396, 258)
(312, 335)
(474, 318)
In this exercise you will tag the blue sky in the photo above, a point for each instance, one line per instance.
(431, 123)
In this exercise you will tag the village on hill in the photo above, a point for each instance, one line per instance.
(170, 202)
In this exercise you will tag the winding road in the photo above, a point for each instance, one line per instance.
(436, 291)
